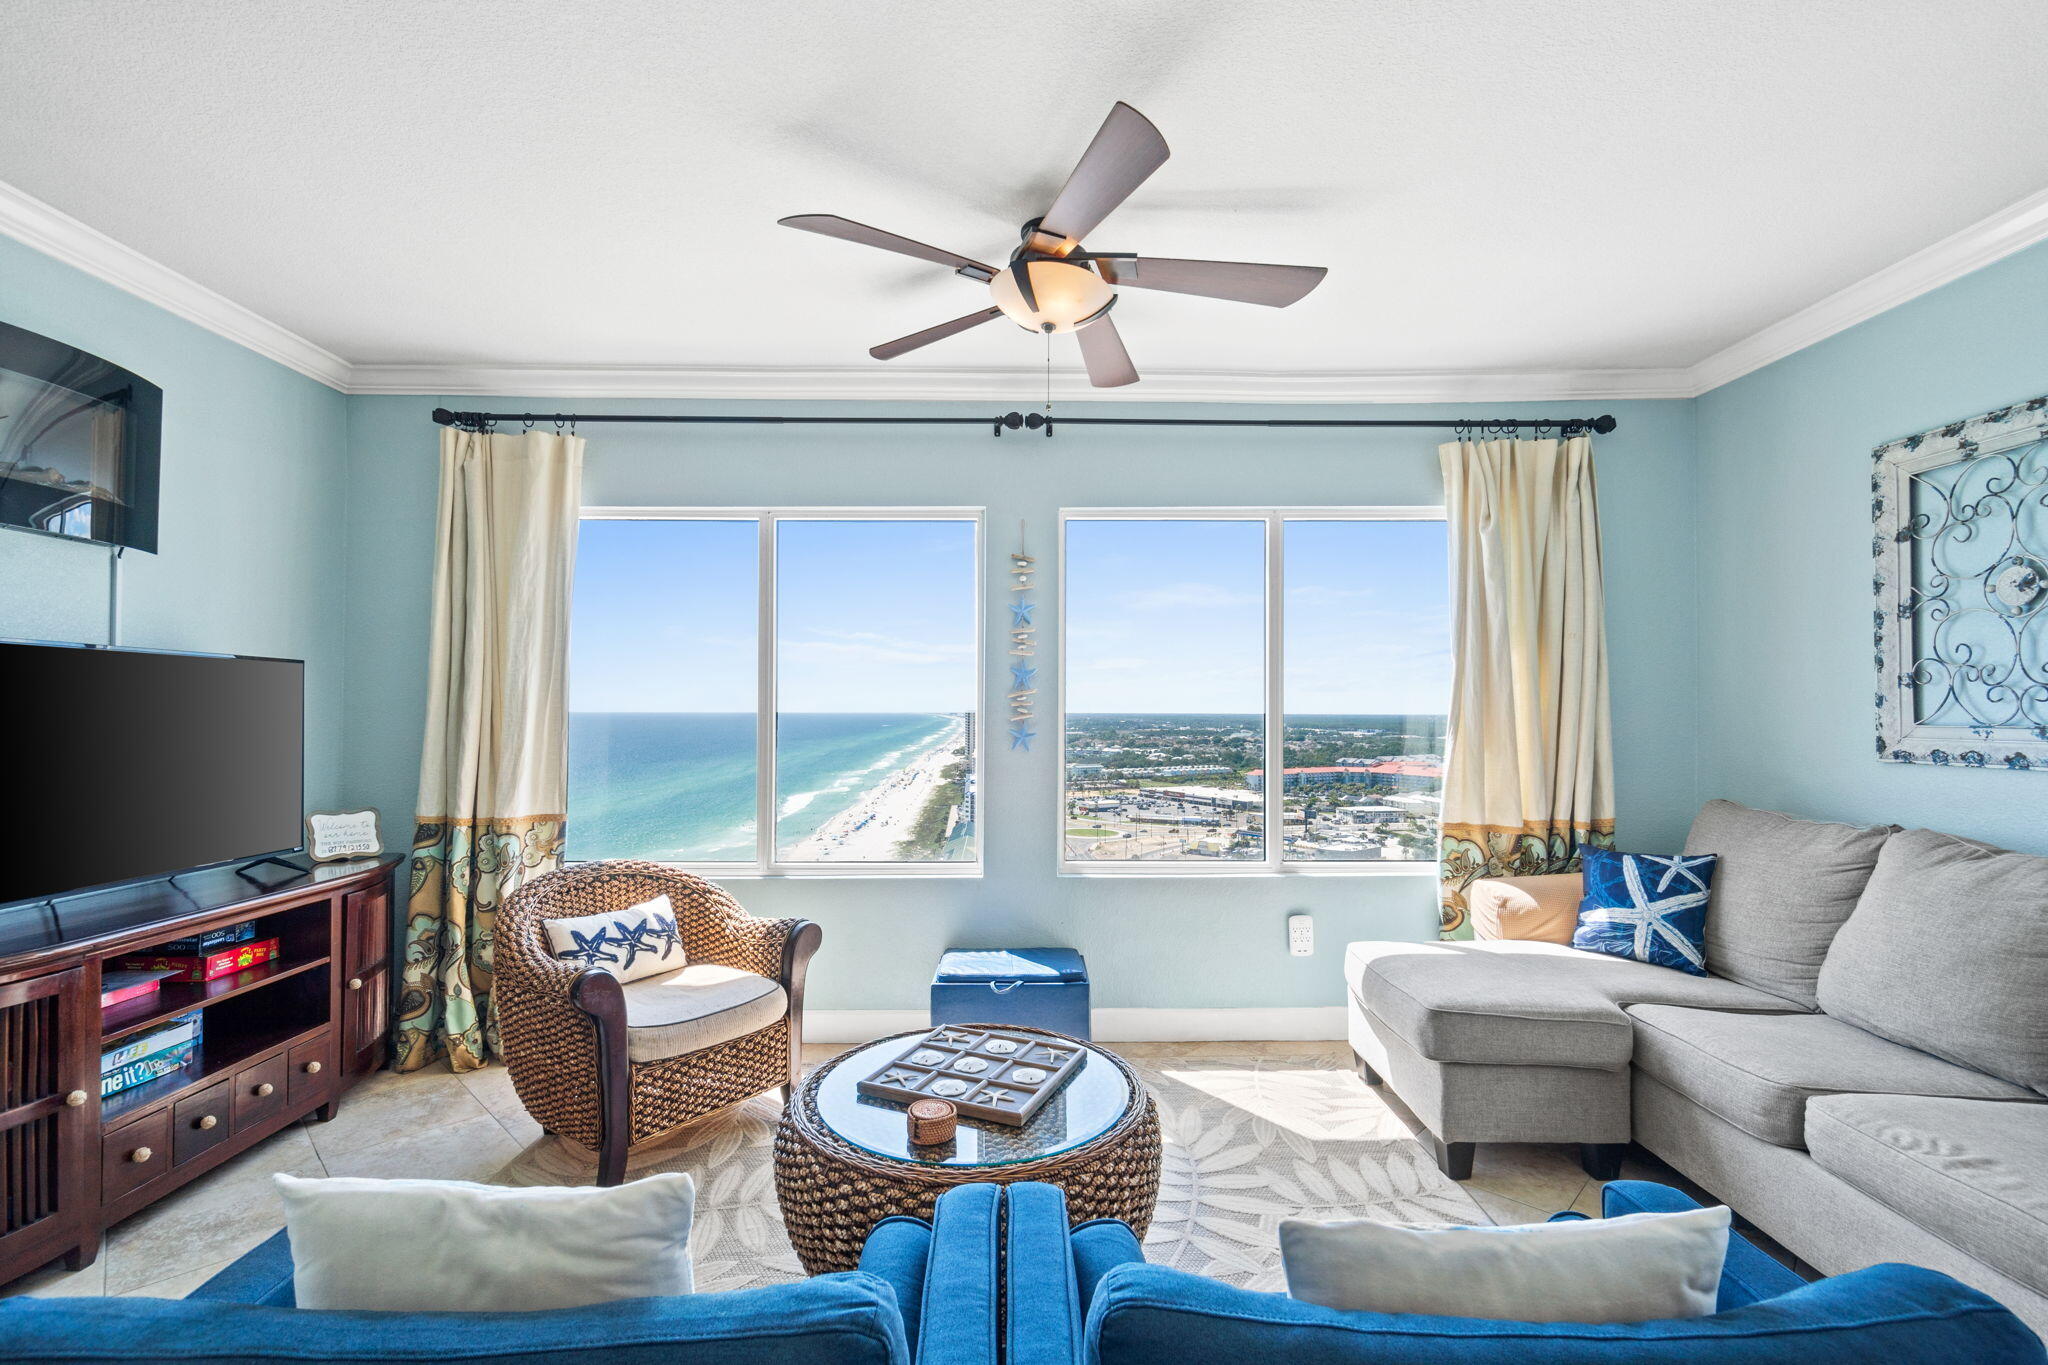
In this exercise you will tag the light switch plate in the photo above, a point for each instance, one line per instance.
(1301, 935)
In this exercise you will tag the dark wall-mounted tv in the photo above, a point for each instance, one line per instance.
(126, 764)
(79, 443)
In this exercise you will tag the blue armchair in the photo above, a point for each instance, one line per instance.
(1102, 1304)
(873, 1316)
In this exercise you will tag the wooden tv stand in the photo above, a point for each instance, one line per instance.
(281, 1041)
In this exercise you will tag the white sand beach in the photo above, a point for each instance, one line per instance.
(870, 828)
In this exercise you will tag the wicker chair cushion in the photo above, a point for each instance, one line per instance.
(698, 1007)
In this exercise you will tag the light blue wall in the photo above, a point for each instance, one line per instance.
(1784, 536)
(1153, 941)
(300, 523)
(254, 471)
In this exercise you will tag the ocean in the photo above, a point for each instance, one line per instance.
(679, 787)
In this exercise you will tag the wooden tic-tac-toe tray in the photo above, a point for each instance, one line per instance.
(987, 1073)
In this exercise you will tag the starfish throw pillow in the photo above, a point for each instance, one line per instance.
(638, 941)
(1648, 908)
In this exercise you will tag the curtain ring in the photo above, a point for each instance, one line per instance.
(527, 422)
(559, 424)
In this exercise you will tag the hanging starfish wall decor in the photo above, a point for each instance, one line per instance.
(1023, 634)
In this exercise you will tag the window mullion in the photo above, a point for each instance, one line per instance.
(1276, 734)
(764, 701)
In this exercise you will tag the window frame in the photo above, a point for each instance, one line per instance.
(767, 520)
(1274, 863)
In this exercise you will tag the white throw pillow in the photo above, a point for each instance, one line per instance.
(1636, 1268)
(452, 1246)
(641, 940)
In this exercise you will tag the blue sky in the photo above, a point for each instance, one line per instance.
(873, 616)
(1170, 616)
(879, 616)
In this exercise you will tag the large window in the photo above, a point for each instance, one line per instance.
(776, 691)
(1232, 673)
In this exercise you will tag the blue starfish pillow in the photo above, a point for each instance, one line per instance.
(1644, 907)
(638, 941)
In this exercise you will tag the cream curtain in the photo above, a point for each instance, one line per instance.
(1530, 774)
(494, 766)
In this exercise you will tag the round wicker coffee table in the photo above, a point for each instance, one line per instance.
(843, 1161)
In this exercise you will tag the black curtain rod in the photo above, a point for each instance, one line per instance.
(1013, 421)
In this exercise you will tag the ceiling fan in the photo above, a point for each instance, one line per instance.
(1049, 285)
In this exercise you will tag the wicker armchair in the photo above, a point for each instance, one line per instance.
(564, 1029)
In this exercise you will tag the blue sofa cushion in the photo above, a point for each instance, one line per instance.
(1749, 1275)
(263, 1275)
(848, 1319)
(1898, 1315)
(1042, 1324)
(962, 1290)
(899, 1250)
(1100, 1245)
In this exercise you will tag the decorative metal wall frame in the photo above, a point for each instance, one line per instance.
(1961, 548)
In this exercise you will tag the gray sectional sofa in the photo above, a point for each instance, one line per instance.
(1864, 1075)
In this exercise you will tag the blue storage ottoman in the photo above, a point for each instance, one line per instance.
(1037, 987)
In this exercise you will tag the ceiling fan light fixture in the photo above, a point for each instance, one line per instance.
(1066, 296)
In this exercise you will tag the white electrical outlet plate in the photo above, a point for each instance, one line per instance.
(1301, 935)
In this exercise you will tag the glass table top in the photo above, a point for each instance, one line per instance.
(1085, 1108)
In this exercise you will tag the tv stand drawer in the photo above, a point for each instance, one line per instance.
(312, 1068)
(134, 1154)
(201, 1122)
(260, 1091)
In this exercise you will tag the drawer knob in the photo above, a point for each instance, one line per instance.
(264, 1089)
(140, 1154)
(75, 1100)
(355, 983)
(210, 1121)
(312, 1068)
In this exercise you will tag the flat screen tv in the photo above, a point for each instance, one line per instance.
(124, 765)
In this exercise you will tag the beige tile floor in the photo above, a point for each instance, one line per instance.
(468, 1127)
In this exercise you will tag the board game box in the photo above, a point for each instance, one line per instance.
(146, 1070)
(195, 967)
(211, 940)
(987, 1073)
(186, 1028)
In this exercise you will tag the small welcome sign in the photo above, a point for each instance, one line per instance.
(334, 836)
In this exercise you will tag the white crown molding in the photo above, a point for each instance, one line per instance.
(55, 233)
(879, 383)
(2011, 229)
(1308, 1023)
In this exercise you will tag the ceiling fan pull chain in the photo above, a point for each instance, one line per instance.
(1048, 385)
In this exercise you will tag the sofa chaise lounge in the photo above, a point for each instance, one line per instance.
(1864, 1074)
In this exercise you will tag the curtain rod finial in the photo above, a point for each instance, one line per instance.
(1604, 423)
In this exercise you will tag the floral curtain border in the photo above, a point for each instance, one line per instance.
(465, 869)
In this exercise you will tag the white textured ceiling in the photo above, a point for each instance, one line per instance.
(1494, 184)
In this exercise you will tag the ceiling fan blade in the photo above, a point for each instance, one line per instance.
(1126, 149)
(1102, 351)
(832, 225)
(889, 350)
(1276, 286)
